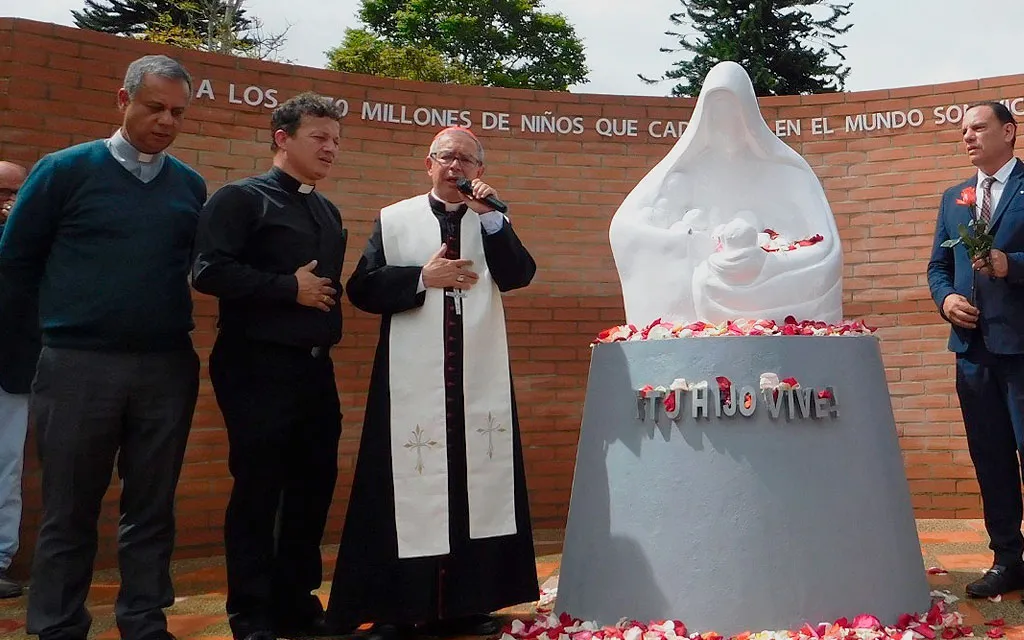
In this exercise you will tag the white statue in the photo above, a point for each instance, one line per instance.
(694, 239)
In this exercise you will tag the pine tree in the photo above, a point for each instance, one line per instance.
(221, 26)
(782, 45)
(134, 17)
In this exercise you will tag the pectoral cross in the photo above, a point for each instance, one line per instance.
(457, 295)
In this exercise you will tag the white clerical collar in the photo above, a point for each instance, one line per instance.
(448, 206)
(128, 151)
(1002, 175)
(290, 182)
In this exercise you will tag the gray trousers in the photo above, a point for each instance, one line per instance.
(90, 408)
(13, 427)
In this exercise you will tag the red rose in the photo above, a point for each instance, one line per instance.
(724, 388)
(670, 401)
(968, 197)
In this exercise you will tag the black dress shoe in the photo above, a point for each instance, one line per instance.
(998, 580)
(301, 617)
(9, 588)
(474, 625)
(310, 628)
(484, 625)
(390, 632)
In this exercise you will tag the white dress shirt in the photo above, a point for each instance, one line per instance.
(1001, 177)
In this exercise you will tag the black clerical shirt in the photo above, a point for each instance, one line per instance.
(253, 235)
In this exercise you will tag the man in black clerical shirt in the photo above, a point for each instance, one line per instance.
(271, 249)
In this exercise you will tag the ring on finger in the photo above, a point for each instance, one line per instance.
(461, 278)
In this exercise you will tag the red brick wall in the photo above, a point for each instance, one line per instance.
(57, 87)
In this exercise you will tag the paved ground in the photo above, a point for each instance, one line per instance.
(959, 546)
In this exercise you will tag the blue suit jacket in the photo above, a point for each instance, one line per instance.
(1000, 300)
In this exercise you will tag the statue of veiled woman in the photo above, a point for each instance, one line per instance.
(687, 239)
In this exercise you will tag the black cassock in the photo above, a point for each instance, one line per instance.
(371, 584)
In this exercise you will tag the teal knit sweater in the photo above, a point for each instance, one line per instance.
(108, 254)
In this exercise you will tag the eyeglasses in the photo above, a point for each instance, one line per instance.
(447, 157)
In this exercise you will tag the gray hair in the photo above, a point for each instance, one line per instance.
(158, 66)
(455, 132)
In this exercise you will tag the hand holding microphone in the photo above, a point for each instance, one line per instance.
(480, 192)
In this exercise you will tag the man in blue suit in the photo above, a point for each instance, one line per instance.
(983, 300)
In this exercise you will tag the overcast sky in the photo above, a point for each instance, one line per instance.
(893, 43)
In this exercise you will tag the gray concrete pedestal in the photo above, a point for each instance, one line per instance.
(734, 523)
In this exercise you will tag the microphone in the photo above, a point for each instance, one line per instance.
(466, 187)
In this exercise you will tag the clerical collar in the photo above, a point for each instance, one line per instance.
(448, 206)
(124, 149)
(289, 183)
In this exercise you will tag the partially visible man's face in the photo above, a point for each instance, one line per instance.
(988, 141)
(11, 178)
(153, 118)
(311, 151)
(455, 156)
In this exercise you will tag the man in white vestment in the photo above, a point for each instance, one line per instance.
(438, 533)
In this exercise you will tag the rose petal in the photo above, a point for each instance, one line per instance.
(925, 631)
(866, 621)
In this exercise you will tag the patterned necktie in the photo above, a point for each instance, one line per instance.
(986, 202)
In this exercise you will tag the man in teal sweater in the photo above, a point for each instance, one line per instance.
(102, 233)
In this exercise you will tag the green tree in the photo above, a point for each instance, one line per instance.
(220, 26)
(784, 45)
(501, 43)
(362, 52)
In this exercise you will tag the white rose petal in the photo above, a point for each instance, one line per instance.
(660, 332)
(679, 384)
(769, 381)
